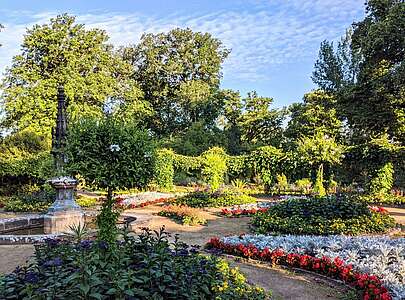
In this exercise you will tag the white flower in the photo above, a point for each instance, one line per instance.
(115, 148)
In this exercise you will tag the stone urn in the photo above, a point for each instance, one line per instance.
(64, 212)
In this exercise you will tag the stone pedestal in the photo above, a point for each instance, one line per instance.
(64, 212)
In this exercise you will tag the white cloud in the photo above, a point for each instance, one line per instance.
(262, 38)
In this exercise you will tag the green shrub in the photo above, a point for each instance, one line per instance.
(214, 167)
(85, 201)
(382, 181)
(147, 266)
(319, 189)
(323, 216)
(265, 163)
(37, 201)
(216, 199)
(282, 182)
(164, 169)
(387, 199)
(304, 185)
(110, 154)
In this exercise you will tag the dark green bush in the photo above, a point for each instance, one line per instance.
(216, 199)
(164, 169)
(323, 216)
(147, 266)
(37, 201)
(111, 154)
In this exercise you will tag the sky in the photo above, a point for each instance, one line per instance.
(274, 43)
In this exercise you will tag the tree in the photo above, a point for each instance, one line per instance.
(316, 114)
(233, 108)
(111, 154)
(179, 73)
(259, 123)
(375, 104)
(367, 72)
(63, 53)
(319, 151)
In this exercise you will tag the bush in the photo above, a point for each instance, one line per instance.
(323, 216)
(304, 185)
(381, 183)
(110, 154)
(86, 201)
(214, 167)
(216, 199)
(185, 214)
(319, 189)
(37, 201)
(24, 157)
(147, 266)
(388, 199)
(164, 169)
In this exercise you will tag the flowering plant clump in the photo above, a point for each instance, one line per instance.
(187, 215)
(219, 198)
(147, 266)
(151, 202)
(323, 216)
(239, 212)
(380, 256)
(370, 285)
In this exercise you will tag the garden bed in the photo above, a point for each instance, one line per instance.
(381, 257)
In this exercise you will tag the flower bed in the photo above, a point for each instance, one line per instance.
(377, 256)
(242, 212)
(186, 215)
(322, 216)
(143, 267)
(216, 199)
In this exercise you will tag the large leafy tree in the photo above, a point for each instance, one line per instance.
(179, 73)
(259, 123)
(316, 114)
(367, 72)
(63, 53)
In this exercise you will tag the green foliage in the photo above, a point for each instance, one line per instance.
(282, 182)
(319, 189)
(323, 216)
(381, 183)
(86, 201)
(186, 215)
(147, 266)
(214, 167)
(24, 158)
(37, 201)
(217, 199)
(197, 139)
(164, 169)
(304, 185)
(179, 73)
(381, 199)
(110, 154)
(260, 124)
(62, 52)
(265, 162)
(316, 114)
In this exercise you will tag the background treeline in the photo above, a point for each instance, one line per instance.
(352, 128)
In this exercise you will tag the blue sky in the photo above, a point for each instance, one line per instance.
(274, 42)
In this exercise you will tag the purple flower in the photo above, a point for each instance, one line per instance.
(31, 277)
(86, 244)
(52, 242)
(103, 245)
(54, 262)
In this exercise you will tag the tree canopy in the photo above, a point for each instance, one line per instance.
(62, 53)
(179, 73)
